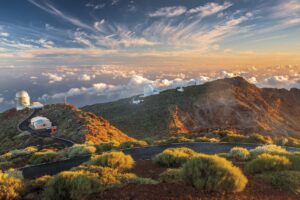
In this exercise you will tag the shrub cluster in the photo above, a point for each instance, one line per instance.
(270, 149)
(174, 157)
(286, 180)
(116, 160)
(9, 187)
(45, 156)
(213, 173)
(131, 144)
(267, 162)
(170, 176)
(239, 153)
(79, 150)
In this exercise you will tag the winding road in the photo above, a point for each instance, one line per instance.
(24, 126)
(143, 153)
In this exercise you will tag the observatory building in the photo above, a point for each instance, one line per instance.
(150, 90)
(39, 123)
(23, 100)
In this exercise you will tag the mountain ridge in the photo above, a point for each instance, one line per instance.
(220, 104)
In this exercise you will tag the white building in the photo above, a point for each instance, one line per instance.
(180, 89)
(22, 100)
(39, 123)
(150, 90)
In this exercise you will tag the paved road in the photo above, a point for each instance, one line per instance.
(137, 153)
(24, 126)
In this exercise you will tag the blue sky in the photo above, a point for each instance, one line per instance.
(189, 33)
(97, 51)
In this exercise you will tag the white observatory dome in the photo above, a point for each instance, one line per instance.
(22, 93)
(22, 100)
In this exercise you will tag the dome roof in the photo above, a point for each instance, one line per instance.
(22, 93)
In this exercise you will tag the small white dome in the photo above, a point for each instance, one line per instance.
(22, 93)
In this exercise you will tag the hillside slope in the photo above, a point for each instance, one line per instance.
(72, 123)
(220, 104)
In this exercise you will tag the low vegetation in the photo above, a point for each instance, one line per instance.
(174, 157)
(45, 156)
(213, 173)
(284, 180)
(131, 144)
(79, 150)
(116, 160)
(270, 149)
(10, 187)
(267, 162)
(239, 154)
(171, 176)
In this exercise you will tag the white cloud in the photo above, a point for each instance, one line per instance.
(1, 100)
(210, 8)
(85, 77)
(4, 34)
(99, 25)
(53, 77)
(45, 43)
(168, 11)
(95, 6)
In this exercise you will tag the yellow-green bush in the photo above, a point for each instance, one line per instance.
(9, 187)
(79, 150)
(174, 157)
(213, 173)
(170, 176)
(116, 160)
(44, 157)
(257, 138)
(239, 153)
(285, 180)
(131, 144)
(206, 139)
(267, 162)
(33, 188)
(105, 146)
(233, 137)
(73, 185)
(270, 149)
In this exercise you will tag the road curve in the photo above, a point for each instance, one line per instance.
(24, 126)
(142, 153)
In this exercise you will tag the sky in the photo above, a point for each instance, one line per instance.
(103, 50)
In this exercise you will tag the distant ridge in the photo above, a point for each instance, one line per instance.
(220, 104)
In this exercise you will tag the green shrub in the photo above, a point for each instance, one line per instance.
(80, 149)
(15, 173)
(257, 138)
(174, 157)
(33, 188)
(170, 176)
(73, 185)
(213, 173)
(9, 187)
(267, 162)
(239, 153)
(131, 144)
(295, 160)
(206, 139)
(44, 157)
(270, 149)
(106, 146)
(5, 165)
(233, 137)
(116, 160)
(285, 180)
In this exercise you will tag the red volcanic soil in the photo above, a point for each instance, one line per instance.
(255, 190)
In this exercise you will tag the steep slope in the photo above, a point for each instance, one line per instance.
(72, 123)
(220, 104)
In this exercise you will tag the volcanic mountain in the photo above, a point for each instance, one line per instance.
(73, 124)
(231, 103)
